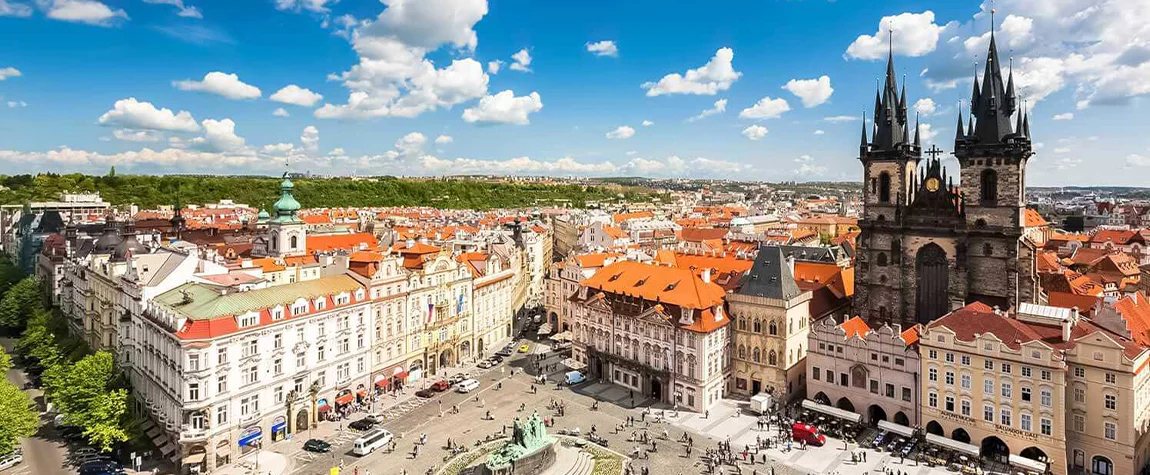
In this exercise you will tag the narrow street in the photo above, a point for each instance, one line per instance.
(44, 452)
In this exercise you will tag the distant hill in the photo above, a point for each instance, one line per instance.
(261, 192)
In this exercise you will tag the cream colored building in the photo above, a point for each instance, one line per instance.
(771, 317)
(439, 297)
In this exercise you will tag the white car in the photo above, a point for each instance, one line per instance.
(11, 459)
(467, 386)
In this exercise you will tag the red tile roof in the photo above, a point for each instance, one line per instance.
(675, 286)
(343, 242)
(855, 327)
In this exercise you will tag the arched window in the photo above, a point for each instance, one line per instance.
(756, 355)
(293, 242)
(742, 352)
(989, 186)
(881, 259)
(1101, 465)
(742, 324)
(772, 358)
(884, 187)
(773, 328)
(758, 326)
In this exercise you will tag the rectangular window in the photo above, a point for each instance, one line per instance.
(251, 375)
(249, 320)
(250, 347)
(950, 404)
(221, 355)
(1006, 390)
(830, 376)
(1025, 394)
(222, 384)
(988, 364)
(950, 378)
(278, 394)
(1111, 402)
(965, 360)
(1046, 398)
(906, 394)
(359, 365)
(965, 381)
(1006, 368)
(1026, 371)
(250, 406)
(278, 341)
(988, 413)
(1045, 374)
(932, 399)
(932, 374)
(300, 361)
(815, 373)
(988, 386)
(320, 352)
(890, 390)
(1110, 430)
(949, 357)
(1111, 378)
(222, 415)
(194, 362)
(1079, 423)
(193, 391)
(874, 386)
(899, 362)
(1046, 426)
(1079, 395)
(278, 366)
(1079, 372)
(1024, 422)
(965, 408)
(843, 379)
(933, 354)
(1004, 417)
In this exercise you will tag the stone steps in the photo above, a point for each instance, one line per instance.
(584, 465)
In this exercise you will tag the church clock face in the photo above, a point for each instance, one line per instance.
(932, 185)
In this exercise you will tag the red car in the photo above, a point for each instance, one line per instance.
(440, 386)
(807, 433)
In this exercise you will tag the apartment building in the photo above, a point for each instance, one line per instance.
(660, 331)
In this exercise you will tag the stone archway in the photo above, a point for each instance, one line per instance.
(822, 398)
(931, 292)
(657, 389)
(301, 420)
(479, 347)
(901, 419)
(845, 404)
(933, 427)
(875, 414)
(446, 358)
(960, 435)
(464, 350)
(223, 452)
(995, 449)
(1035, 453)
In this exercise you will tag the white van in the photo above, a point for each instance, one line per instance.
(467, 386)
(370, 441)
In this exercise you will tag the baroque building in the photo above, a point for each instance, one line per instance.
(928, 245)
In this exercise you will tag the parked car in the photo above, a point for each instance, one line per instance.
(440, 386)
(524, 348)
(485, 364)
(376, 418)
(457, 378)
(361, 424)
(574, 377)
(10, 459)
(505, 352)
(317, 445)
(496, 358)
(101, 467)
(426, 393)
(467, 386)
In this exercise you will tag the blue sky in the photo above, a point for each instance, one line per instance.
(84, 85)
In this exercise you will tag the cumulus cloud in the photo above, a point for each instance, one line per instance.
(504, 108)
(1063, 116)
(222, 84)
(766, 108)
(810, 170)
(444, 139)
(219, 136)
(517, 165)
(812, 92)
(89, 12)
(9, 72)
(494, 66)
(719, 107)
(1136, 160)
(521, 61)
(927, 133)
(14, 9)
(925, 106)
(132, 114)
(621, 132)
(841, 118)
(280, 112)
(129, 135)
(295, 95)
(755, 132)
(647, 123)
(709, 79)
(314, 6)
(411, 144)
(603, 48)
(310, 139)
(183, 11)
(915, 34)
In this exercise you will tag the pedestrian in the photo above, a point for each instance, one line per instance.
(706, 414)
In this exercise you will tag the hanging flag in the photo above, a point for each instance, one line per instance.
(459, 305)
(430, 310)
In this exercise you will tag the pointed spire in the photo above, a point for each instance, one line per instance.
(958, 134)
(877, 100)
(1018, 124)
(902, 101)
(863, 143)
(974, 95)
(970, 125)
(1026, 124)
(1011, 98)
(917, 131)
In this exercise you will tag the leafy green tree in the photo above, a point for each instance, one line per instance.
(82, 385)
(19, 302)
(5, 361)
(18, 418)
(105, 422)
(9, 274)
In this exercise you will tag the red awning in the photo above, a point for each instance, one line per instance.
(324, 408)
(345, 399)
(383, 383)
(362, 393)
(401, 375)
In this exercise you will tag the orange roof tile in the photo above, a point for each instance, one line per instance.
(855, 327)
(672, 285)
(621, 217)
(1033, 220)
(343, 242)
(596, 260)
(268, 264)
(910, 335)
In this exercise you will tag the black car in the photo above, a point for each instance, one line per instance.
(100, 467)
(316, 445)
(426, 393)
(361, 424)
(505, 353)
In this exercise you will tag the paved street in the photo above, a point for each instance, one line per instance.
(44, 452)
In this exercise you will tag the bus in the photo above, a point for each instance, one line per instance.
(370, 441)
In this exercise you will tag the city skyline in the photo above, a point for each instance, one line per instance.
(419, 88)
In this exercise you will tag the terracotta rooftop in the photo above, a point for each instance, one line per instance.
(671, 285)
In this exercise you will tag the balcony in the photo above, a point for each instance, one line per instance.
(189, 434)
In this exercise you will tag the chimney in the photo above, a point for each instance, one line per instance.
(1068, 325)
(707, 275)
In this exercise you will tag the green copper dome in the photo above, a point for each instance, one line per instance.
(287, 205)
(263, 216)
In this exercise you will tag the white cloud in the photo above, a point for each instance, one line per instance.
(517, 165)
(766, 108)
(411, 144)
(1135, 160)
(1063, 116)
(133, 114)
(219, 136)
(184, 11)
(925, 106)
(494, 66)
(603, 48)
(129, 135)
(280, 112)
(9, 72)
(812, 92)
(915, 34)
(521, 61)
(336, 152)
(428, 24)
(804, 159)
(647, 123)
(90, 12)
(444, 139)
(223, 84)
(621, 132)
(293, 94)
(1065, 163)
(15, 104)
(927, 133)
(755, 132)
(504, 108)
(314, 6)
(719, 107)
(13, 9)
(278, 149)
(711, 78)
(841, 118)
(1061, 150)
(819, 132)
(808, 170)
(310, 139)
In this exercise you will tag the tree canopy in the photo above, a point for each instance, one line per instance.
(18, 419)
(19, 301)
(261, 192)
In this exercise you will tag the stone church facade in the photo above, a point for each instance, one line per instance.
(928, 245)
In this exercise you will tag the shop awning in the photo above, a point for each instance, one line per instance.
(1027, 463)
(832, 411)
(564, 336)
(194, 459)
(345, 399)
(400, 375)
(362, 393)
(952, 444)
(896, 428)
(573, 364)
(324, 407)
(383, 383)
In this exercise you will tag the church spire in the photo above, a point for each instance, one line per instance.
(890, 126)
(994, 106)
(958, 135)
(863, 143)
(917, 131)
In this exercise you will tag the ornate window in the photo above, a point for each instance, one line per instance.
(758, 326)
(989, 186)
(884, 187)
(756, 356)
(772, 358)
(742, 353)
(881, 261)
(294, 242)
(773, 328)
(742, 324)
